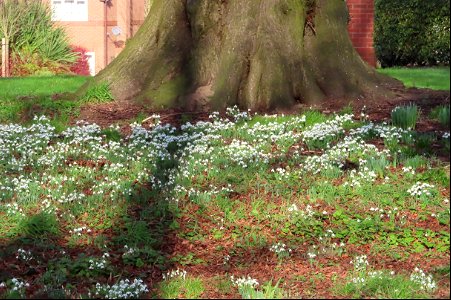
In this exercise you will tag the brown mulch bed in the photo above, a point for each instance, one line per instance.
(259, 263)
(378, 109)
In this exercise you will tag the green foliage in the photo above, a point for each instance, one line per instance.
(378, 165)
(383, 285)
(112, 134)
(436, 78)
(416, 162)
(313, 117)
(423, 142)
(177, 287)
(188, 259)
(21, 98)
(443, 271)
(30, 87)
(39, 226)
(83, 266)
(442, 114)
(100, 93)
(268, 291)
(37, 46)
(415, 32)
(405, 117)
(194, 196)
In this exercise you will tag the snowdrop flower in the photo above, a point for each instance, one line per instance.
(244, 281)
(426, 282)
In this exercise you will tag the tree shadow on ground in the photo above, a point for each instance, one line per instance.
(58, 265)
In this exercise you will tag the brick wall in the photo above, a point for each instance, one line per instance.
(361, 28)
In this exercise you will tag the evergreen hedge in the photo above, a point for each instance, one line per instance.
(412, 32)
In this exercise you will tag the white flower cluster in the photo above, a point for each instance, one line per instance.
(19, 186)
(129, 251)
(379, 274)
(83, 133)
(214, 116)
(421, 188)
(360, 263)
(99, 263)
(327, 245)
(244, 281)
(361, 280)
(327, 235)
(385, 213)
(307, 213)
(446, 135)
(409, 170)
(20, 145)
(124, 289)
(357, 178)
(245, 154)
(226, 259)
(79, 231)
(383, 131)
(280, 248)
(336, 156)
(175, 273)
(280, 173)
(192, 192)
(72, 197)
(24, 255)
(276, 132)
(17, 285)
(326, 130)
(426, 282)
(358, 280)
(14, 209)
(293, 208)
(237, 115)
(48, 207)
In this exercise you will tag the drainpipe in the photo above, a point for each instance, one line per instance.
(105, 30)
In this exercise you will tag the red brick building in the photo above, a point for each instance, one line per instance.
(103, 26)
(100, 26)
(361, 28)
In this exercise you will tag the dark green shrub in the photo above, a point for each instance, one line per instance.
(412, 32)
(39, 226)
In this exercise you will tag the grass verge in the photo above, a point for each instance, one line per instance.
(431, 78)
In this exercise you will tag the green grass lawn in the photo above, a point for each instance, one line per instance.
(11, 88)
(20, 97)
(431, 78)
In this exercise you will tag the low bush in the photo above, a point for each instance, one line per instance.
(37, 47)
(81, 66)
(412, 32)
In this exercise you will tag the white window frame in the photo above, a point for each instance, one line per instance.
(69, 10)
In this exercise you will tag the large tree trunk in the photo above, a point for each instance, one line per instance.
(259, 54)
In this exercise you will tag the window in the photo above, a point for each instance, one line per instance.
(91, 62)
(70, 10)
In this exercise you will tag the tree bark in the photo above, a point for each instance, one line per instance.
(259, 54)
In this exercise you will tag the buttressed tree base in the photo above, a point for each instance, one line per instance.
(258, 54)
